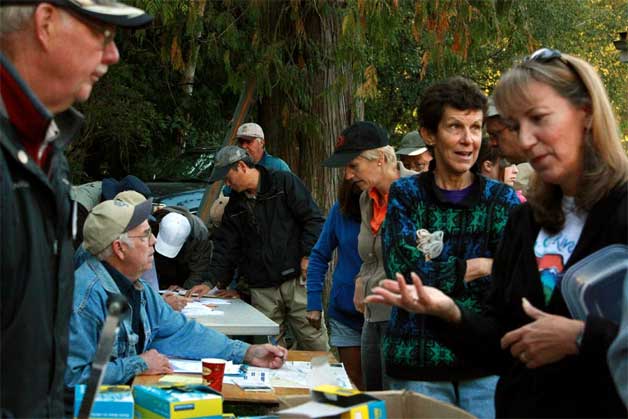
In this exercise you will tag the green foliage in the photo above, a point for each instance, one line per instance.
(140, 115)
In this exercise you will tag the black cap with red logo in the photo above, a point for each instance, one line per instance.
(363, 135)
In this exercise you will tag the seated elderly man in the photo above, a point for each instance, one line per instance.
(117, 235)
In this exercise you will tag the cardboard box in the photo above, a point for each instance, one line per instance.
(334, 401)
(112, 402)
(178, 401)
(399, 404)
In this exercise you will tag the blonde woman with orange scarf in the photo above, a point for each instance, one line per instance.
(370, 162)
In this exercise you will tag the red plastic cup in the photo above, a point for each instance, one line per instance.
(213, 372)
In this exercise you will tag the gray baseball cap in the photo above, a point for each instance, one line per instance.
(412, 145)
(225, 159)
(492, 109)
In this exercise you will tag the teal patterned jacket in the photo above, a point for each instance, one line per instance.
(471, 228)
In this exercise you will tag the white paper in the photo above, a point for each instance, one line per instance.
(215, 301)
(195, 366)
(255, 379)
(187, 366)
(313, 410)
(298, 374)
(195, 308)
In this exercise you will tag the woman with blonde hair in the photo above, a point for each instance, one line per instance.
(370, 163)
(551, 365)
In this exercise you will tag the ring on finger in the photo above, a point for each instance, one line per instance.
(523, 357)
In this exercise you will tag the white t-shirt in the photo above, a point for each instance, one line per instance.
(553, 251)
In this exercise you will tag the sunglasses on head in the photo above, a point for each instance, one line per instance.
(544, 55)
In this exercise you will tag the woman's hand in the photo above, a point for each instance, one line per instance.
(477, 268)
(547, 339)
(417, 299)
(314, 318)
(358, 295)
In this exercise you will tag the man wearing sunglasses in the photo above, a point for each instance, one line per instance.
(51, 55)
(121, 246)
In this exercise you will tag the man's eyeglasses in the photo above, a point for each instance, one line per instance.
(97, 28)
(241, 141)
(144, 236)
(497, 135)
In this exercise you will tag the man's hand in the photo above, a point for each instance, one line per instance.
(175, 301)
(227, 294)
(266, 356)
(549, 338)
(304, 262)
(417, 299)
(477, 268)
(314, 318)
(198, 290)
(358, 295)
(157, 363)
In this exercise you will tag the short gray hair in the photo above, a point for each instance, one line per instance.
(107, 252)
(15, 18)
(388, 151)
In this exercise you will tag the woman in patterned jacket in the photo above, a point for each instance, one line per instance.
(445, 225)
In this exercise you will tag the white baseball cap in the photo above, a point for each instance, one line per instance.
(174, 230)
(250, 130)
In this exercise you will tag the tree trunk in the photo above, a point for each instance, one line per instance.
(191, 61)
(332, 109)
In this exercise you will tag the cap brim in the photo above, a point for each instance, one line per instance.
(141, 212)
(111, 12)
(411, 151)
(118, 14)
(341, 159)
(165, 249)
(219, 173)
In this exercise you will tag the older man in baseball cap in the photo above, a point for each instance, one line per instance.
(51, 55)
(413, 152)
(119, 238)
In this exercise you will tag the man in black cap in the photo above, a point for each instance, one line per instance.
(269, 227)
(51, 54)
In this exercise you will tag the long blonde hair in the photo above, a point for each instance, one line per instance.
(605, 163)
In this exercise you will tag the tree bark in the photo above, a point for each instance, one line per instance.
(333, 108)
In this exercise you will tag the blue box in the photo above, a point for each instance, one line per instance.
(112, 402)
(178, 401)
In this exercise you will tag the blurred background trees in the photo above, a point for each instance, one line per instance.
(318, 65)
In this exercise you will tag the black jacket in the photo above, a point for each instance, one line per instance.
(266, 237)
(578, 385)
(35, 260)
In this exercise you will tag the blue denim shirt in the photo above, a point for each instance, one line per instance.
(167, 331)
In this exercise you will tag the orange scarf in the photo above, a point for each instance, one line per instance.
(379, 209)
